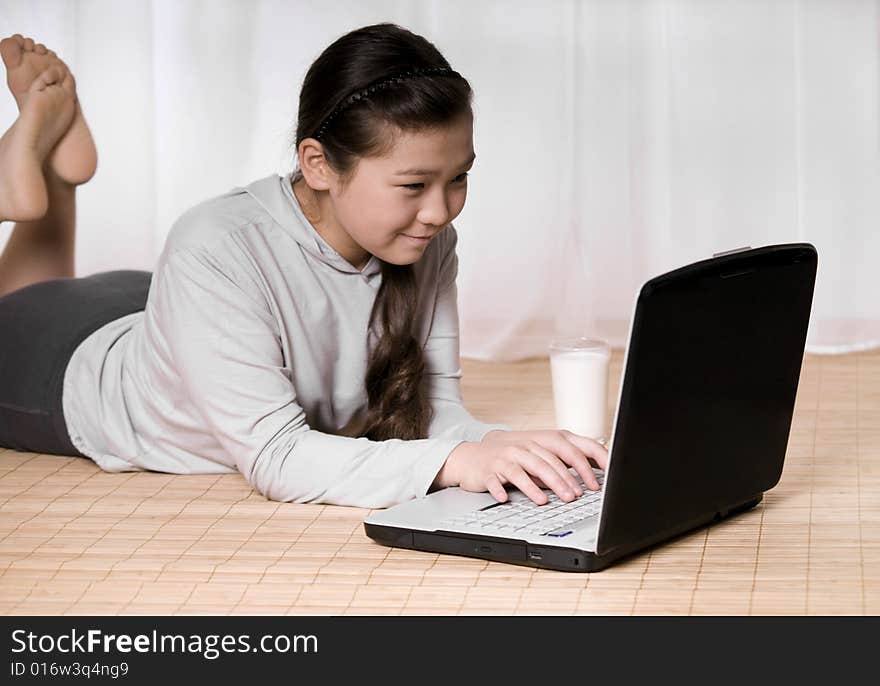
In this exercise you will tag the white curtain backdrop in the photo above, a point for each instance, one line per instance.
(615, 139)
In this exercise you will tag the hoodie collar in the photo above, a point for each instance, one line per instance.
(275, 195)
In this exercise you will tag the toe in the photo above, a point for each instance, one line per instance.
(10, 51)
(29, 44)
(40, 49)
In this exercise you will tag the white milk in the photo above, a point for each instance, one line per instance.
(580, 389)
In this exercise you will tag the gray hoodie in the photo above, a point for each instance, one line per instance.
(251, 357)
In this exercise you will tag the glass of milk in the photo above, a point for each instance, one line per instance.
(579, 367)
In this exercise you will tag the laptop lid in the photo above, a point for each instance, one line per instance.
(710, 378)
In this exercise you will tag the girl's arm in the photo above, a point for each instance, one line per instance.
(223, 344)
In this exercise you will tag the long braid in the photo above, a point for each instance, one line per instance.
(398, 406)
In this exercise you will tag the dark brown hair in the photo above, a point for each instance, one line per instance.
(367, 79)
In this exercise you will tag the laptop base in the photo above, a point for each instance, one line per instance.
(527, 554)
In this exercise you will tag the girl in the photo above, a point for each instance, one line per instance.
(302, 330)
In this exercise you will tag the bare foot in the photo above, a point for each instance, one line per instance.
(46, 115)
(75, 158)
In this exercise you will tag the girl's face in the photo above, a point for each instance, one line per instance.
(392, 206)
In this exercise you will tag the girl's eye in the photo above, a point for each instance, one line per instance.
(461, 178)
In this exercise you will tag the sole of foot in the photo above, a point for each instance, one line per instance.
(74, 158)
(46, 115)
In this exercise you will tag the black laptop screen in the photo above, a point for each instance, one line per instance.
(708, 391)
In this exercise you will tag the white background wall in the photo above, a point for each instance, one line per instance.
(616, 139)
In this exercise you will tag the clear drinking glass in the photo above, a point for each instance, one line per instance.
(579, 370)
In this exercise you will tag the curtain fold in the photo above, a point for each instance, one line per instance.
(615, 140)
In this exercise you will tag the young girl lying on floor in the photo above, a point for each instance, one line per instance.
(302, 330)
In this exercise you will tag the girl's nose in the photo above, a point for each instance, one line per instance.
(435, 210)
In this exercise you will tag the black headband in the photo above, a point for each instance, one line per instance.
(381, 84)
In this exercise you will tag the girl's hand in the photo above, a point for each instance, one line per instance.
(530, 460)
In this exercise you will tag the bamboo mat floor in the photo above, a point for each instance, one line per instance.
(75, 540)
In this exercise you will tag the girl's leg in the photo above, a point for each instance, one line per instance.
(42, 249)
(43, 156)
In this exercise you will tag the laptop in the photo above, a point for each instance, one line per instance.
(700, 430)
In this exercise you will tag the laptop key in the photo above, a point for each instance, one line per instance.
(570, 528)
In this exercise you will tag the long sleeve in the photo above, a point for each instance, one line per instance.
(251, 355)
(223, 342)
(442, 356)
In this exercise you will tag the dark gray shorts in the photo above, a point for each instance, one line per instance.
(40, 327)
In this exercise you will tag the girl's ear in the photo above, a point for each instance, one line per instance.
(314, 167)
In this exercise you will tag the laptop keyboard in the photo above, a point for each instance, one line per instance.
(519, 515)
